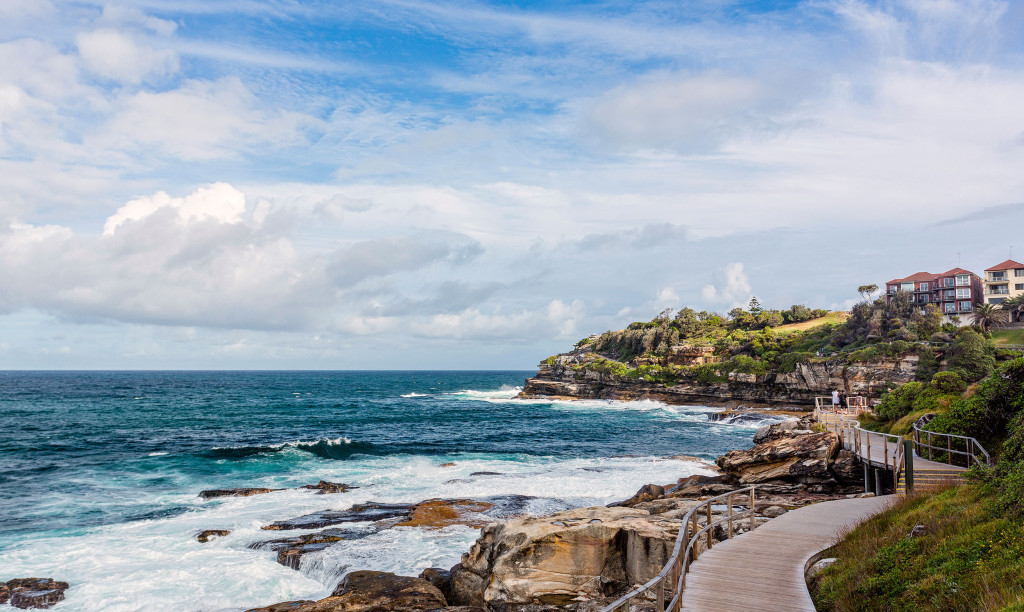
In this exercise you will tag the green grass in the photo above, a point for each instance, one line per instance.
(969, 558)
(832, 318)
(1003, 337)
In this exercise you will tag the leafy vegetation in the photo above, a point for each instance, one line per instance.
(968, 551)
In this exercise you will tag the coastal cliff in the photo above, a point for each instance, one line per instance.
(577, 375)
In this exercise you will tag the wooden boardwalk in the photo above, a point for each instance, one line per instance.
(763, 570)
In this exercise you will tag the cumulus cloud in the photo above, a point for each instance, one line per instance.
(735, 290)
(114, 55)
(219, 202)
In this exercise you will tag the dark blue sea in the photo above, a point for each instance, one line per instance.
(100, 471)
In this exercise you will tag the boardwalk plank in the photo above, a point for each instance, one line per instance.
(763, 569)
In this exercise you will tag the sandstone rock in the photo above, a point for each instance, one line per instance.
(820, 566)
(438, 513)
(847, 468)
(773, 511)
(646, 493)
(368, 591)
(370, 511)
(323, 487)
(801, 459)
(207, 535)
(214, 493)
(697, 485)
(553, 560)
(442, 579)
(26, 593)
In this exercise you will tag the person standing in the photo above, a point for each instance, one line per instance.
(843, 403)
(835, 401)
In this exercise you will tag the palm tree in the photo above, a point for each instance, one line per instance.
(1014, 308)
(985, 316)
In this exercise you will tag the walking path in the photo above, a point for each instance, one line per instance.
(764, 569)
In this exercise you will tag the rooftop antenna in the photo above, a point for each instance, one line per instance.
(1011, 251)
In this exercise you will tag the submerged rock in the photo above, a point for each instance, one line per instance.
(209, 534)
(438, 513)
(368, 512)
(285, 606)
(323, 487)
(241, 492)
(29, 593)
(290, 550)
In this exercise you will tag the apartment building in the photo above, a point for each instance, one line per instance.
(954, 292)
(1004, 281)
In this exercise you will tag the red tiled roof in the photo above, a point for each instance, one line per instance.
(955, 271)
(920, 276)
(895, 280)
(1009, 264)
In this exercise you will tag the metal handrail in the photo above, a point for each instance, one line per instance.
(854, 438)
(676, 567)
(970, 444)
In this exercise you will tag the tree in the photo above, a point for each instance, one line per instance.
(985, 316)
(971, 355)
(1014, 308)
(754, 307)
(866, 291)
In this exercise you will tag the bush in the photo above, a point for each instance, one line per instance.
(949, 382)
(971, 356)
(899, 401)
(927, 363)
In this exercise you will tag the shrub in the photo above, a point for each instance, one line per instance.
(899, 401)
(949, 382)
(971, 356)
(927, 363)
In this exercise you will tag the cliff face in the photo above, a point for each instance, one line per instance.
(561, 379)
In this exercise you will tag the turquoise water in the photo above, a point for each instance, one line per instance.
(101, 470)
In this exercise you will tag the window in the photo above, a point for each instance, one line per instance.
(923, 287)
(922, 299)
(950, 307)
(963, 280)
(997, 276)
(996, 300)
(965, 306)
(1018, 287)
(893, 288)
(947, 282)
(1018, 272)
(949, 294)
(963, 293)
(907, 287)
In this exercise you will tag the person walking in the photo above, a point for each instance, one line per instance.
(835, 401)
(843, 402)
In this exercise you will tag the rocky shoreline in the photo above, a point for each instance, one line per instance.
(579, 559)
(570, 376)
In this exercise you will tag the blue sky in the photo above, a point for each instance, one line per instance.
(407, 184)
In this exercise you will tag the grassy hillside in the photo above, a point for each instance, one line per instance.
(962, 548)
(1003, 337)
(833, 318)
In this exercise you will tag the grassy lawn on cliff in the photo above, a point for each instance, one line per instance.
(968, 556)
(832, 318)
(1004, 337)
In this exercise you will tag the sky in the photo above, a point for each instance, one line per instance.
(406, 184)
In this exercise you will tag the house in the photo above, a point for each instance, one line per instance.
(1004, 281)
(954, 292)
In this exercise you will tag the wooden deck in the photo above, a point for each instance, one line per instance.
(764, 570)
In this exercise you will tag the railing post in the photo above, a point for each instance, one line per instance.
(708, 525)
(753, 523)
(908, 465)
(729, 499)
(929, 446)
(885, 449)
(867, 436)
(661, 597)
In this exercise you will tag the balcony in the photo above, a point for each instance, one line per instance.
(994, 291)
(996, 276)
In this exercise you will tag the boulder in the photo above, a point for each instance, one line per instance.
(646, 493)
(697, 486)
(773, 511)
(209, 534)
(438, 513)
(284, 606)
(441, 578)
(243, 492)
(802, 458)
(554, 560)
(323, 487)
(369, 591)
(290, 550)
(32, 593)
(847, 468)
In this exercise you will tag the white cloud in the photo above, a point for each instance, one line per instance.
(114, 55)
(736, 290)
(219, 202)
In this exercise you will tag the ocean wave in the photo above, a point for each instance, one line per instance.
(415, 395)
(504, 394)
(326, 448)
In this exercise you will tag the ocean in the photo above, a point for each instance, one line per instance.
(100, 472)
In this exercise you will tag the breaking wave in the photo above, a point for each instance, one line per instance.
(326, 448)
